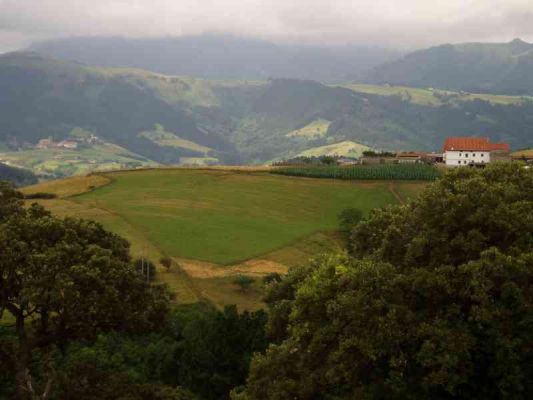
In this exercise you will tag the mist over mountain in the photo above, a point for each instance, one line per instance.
(504, 68)
(221, 57)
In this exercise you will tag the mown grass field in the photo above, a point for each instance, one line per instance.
(227, 217)
(218, 223)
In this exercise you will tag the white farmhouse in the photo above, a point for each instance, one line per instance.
(469, 151)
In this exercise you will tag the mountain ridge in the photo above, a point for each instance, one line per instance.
(220, 56)
(500, 68)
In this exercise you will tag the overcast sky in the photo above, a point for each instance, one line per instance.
(385, 23)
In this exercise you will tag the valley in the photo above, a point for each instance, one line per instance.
(147, 118)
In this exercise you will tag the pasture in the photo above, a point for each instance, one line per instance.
(217, 223)
(430, 97)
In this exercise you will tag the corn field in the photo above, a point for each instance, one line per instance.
(408, 172)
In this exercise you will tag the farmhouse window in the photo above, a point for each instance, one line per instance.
(466, 155)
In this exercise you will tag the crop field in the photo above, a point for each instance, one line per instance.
(407, 172)
(218, 223)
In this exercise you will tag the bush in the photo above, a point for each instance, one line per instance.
(166, 262)
(40, 195)
(272, 277)
(243, 281)
(348, 220)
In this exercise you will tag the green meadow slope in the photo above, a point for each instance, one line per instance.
(218, 223)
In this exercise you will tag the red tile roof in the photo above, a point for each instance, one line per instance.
(473, 143)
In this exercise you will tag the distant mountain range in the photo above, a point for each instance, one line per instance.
(170, 119)
(504, 68)
(221, 57)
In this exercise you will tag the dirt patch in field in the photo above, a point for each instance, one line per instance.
(253, 267)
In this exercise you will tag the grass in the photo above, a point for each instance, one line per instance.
(220, 215)
(164, 138)
(226, 217)
(345, 149)
(427, 97)
(315, 129)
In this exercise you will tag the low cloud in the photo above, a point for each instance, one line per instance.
(392, 23)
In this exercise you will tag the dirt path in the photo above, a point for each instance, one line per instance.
(253, 267)
(392, 189)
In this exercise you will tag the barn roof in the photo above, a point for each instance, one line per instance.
(473, 144)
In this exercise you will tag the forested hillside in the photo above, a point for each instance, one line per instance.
(475, 67)
(170, 118)
(17, 176)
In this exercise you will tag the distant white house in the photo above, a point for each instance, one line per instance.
(469, 151)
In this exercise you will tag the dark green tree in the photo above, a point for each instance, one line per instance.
(244, 282)
(217, 348)
(416, 314)
(64, 279)
(348, 220)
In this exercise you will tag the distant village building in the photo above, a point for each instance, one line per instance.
(68, 144)
(45, 143)
(410, 157)
(470, 151)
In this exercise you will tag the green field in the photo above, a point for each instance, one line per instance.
(316, 129)
(163, 138)
(218, 223)
(430, 97)
(226, 217)
(344, 149)
(65, 162)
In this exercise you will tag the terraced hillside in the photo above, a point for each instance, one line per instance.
(216, 224)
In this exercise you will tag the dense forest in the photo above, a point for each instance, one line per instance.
(431, 300)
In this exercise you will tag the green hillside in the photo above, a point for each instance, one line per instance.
(60, 162)
(504, 68)
(345, 149)
(433, 97)
(218, 223)
(233, 122)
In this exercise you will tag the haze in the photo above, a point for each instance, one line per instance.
(384, 23)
